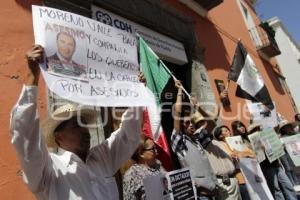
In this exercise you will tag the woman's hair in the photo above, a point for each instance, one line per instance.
(235, 125)
(140, 149)
(218, 131)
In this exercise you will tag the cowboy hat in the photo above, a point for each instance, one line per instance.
(198, 117)
(64, 113)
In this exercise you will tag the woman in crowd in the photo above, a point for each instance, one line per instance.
(145, 165)
(220, 134)
(238, 128)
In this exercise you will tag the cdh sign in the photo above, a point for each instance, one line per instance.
(166, 47)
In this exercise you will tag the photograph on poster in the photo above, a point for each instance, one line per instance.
(294, 147)
(64, 51)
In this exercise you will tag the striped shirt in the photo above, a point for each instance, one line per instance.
(178, 141)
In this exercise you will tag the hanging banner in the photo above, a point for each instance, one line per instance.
(88, 62)
(255, 181)
(257, 146)
(292, 146)
(272, 144)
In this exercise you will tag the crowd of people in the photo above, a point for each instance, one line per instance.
(200, 144)
(81, 172)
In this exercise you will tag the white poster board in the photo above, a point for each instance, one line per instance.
(88, 62)
(267, 119)
(236, 143)
(257, 146)
(292, 146)
(255, 180)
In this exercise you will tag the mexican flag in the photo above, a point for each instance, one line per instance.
(157, 78)
(251, 85)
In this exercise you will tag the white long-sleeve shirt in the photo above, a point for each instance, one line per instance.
(62, 177)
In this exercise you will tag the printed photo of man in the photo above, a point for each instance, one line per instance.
(294, 146)
(62, 61)
(166, 186)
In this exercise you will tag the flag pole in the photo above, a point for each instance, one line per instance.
(166, 68)
(227, 85)
(175, 79)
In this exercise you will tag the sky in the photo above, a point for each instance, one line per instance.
(288, 11)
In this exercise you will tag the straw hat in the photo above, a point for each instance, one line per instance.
(64, 113)
(198, 117)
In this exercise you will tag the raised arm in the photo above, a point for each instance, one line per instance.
(34, 56)
(178, 107)
(25, 127)
(122, 143)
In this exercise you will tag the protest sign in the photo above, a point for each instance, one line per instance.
(255, 180)
(272, 144)
(175, 185)
(87, 61)
(236, 143)
(181, 184)
(292, 146)
(262, 116)
(257, 146)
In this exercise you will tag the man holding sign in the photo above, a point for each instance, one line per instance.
(80, 172)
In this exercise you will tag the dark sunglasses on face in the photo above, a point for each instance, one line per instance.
(187, 122)
(151, 149)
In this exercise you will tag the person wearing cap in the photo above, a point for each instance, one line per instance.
(79, 172)
(191, 153)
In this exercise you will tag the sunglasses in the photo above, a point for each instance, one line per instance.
(187, 122)
(154, 149)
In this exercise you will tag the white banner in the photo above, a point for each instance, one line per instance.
(88, 62)
(257, 146)
(236, 143)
